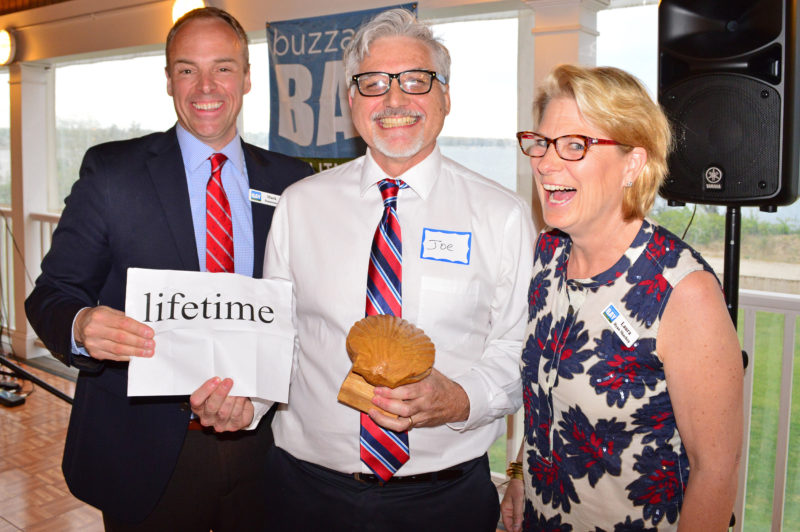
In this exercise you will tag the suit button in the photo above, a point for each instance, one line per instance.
(185, 406)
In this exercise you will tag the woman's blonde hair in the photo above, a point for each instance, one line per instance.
(618, 104)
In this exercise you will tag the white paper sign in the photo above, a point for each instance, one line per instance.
(447, 246)
(211, 324)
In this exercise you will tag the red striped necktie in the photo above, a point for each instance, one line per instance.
(219, 225)
(384, 450)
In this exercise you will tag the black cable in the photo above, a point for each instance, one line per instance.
(4, 358)
(689, 224)
(17, 372)
(34, 379)
(16, 247)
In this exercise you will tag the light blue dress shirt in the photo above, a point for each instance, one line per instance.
(235, 182)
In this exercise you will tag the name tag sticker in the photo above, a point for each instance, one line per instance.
(257, 196)
(621, 327)
(446, 246)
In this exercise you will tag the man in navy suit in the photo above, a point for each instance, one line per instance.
(141, 203)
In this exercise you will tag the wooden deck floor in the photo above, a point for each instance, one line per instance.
(33, 494)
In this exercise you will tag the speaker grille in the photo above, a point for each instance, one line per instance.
(730, 122)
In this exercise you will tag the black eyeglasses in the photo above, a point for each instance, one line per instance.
(568, 147)
(410, 82)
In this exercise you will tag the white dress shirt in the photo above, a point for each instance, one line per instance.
(470, 299)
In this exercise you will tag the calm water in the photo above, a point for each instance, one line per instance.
(493, 158)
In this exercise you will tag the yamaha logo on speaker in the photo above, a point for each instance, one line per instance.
(713, 178)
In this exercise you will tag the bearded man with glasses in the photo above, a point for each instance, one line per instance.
(460, 251)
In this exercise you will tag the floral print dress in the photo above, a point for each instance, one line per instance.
(602, 451)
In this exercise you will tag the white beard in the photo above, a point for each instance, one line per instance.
(411, 149)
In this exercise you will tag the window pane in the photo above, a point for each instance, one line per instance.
(629, 40)
(102, 101)
(766, 366)
(497, 455)
(479, 131)
(791, 516)
(255, 109)
(5, 147)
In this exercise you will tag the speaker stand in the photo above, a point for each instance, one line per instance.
(730, 277)
(34, 379)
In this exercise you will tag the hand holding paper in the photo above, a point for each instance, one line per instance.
(215, 408)
(107, 334)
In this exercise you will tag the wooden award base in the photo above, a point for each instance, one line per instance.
(357, 393)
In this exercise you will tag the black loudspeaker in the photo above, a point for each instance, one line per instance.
(727, 79)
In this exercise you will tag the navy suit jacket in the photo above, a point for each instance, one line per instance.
(129, 208)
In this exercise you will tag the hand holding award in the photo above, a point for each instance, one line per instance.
(386, 351)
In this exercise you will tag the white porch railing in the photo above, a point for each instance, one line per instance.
(6, 269)
(47, 224)
(788, 305)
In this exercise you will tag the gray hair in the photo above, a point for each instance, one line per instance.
(394, 23)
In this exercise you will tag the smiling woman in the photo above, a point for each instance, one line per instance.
(613, 435)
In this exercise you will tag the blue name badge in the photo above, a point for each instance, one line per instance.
(266, 198)
(610, 313)
(446, 246)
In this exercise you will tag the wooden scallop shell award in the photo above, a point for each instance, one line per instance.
(385, 351)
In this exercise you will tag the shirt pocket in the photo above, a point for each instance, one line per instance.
(447, 312)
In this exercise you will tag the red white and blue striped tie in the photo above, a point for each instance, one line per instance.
(384, 450)
(219, 225)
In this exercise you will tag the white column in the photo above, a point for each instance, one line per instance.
(564, 32)
(525, 85)
(32, 121)
(551, 33)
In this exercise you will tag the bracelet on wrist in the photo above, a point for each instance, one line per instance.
(514, 470)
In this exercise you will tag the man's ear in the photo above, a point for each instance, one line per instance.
(247, 84)
(169, 80)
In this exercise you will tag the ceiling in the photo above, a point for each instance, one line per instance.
(10, 6)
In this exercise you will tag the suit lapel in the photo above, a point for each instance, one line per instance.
(168, 176)
(262, 214)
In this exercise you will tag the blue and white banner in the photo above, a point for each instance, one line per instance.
(309, 112)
